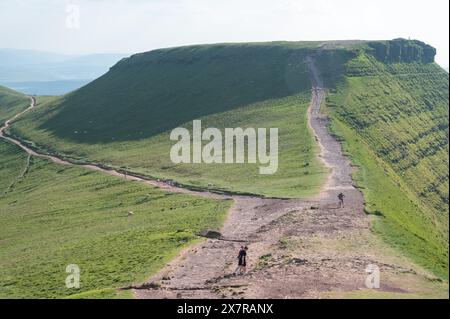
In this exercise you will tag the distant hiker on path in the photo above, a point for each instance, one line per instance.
(341, 200)
(242, 260)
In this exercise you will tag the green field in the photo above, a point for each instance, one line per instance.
(124, 118)
(53, 215)
(299, 172)
(393, 119)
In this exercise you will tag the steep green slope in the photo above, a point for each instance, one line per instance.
(299, 173)
(13, 161)
(57, 215)
(393, 118)
(153, 92)
(387, 99)
(125, 117)
(11, 103)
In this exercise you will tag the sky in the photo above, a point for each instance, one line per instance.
(119, 26)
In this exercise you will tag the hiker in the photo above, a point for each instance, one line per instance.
(341, 200)
(242, 262)
(238, 269)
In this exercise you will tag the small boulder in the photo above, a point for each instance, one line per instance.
(298, 261)
(213, 234)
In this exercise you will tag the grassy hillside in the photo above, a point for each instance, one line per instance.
(11, 103)
(387, 99)
(125, 117)
(53, 215)
(393, 118)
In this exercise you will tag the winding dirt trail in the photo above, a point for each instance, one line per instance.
(298, 248)
(110, 171)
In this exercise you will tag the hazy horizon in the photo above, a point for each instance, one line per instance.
(82, 27)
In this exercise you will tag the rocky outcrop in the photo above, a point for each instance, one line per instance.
(402, 50)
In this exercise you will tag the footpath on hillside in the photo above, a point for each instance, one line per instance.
(309, 248)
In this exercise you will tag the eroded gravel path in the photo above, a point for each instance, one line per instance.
(294, 245)
(297, 248)
(110, 171)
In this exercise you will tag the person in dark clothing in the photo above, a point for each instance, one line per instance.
(341, 200)
(238, 269)
(242, 260)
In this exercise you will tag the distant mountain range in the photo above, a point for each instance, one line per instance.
(44, 73)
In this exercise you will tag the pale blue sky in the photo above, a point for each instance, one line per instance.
(138, 25)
